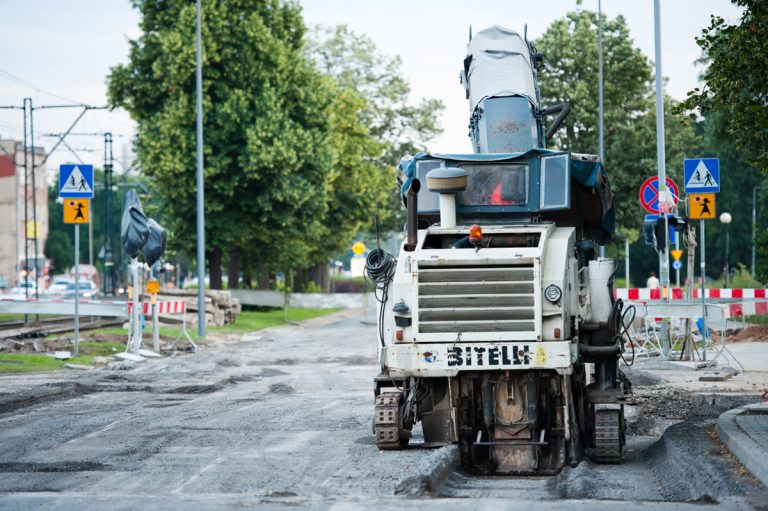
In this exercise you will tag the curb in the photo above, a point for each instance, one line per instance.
(444, 461)
(747, 451)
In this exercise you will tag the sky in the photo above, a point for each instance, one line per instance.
(60, 52)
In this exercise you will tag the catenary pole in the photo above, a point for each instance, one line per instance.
(200, 191)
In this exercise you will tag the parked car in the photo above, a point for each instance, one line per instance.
(20, 291)
(87, 290)
(59, 286)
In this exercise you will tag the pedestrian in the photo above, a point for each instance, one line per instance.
(652, 282)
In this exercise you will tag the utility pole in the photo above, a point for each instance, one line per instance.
(754, 225)
(662, 177)
(109, 283)
(200, 190)
(600, 96)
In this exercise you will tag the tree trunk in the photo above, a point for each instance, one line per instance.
(214, 263)
(234, 268)
(263, 282)
(247, 279)
(320, 275)
(300, 280)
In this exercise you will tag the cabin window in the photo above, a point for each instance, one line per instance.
(495, 184)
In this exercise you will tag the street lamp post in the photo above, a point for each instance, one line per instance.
(725, 219)
(754, 224)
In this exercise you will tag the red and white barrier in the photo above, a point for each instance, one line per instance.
(677, 293)
(737, 310)
(168, 307)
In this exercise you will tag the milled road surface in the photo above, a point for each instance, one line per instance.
(282, 418)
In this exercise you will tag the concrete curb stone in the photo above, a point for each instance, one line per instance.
(745, 432)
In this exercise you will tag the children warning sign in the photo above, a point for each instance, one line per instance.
(76, 211)
(702, 206)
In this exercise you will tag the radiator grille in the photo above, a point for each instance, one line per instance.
(476, 299)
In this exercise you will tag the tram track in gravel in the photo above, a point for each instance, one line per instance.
(42, 327)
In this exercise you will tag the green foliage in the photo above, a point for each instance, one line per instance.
(31, 362)
(291, 154)
(266, 159)
(356, 64)
(737, 78)
(570, 74)
(59, 249)
(741, 278)
(401, 128)
(761, 265)
(251, 321)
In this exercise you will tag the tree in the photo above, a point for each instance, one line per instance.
(265, 125)
(736, 79)
(401, 127)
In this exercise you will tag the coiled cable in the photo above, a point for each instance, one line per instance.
(380, 268)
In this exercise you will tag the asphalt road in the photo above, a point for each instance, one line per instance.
(282, 418)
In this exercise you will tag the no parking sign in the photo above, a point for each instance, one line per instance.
(649, 195)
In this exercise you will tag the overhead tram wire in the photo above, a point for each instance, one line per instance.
(20, 81)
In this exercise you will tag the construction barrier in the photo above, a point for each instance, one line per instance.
(644, 293)
(736, 310)
(107, 308)
(164, 307)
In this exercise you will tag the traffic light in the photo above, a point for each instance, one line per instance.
(678, 223)
(648, 227)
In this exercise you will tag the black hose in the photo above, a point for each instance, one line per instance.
(600, 352)
(380, 268)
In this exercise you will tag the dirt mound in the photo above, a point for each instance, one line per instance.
(754, 333)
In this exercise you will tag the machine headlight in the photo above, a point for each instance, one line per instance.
(553, 293)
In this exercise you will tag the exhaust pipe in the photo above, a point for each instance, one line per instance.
(412, 202)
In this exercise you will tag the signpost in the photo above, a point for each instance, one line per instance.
(659, 195)
(702, 182)
(76, 188)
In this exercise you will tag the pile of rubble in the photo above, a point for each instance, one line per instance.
(220, 307)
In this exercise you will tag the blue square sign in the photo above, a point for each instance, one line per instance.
(76, 181)
(702, 175)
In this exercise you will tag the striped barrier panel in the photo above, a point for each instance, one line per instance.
(167, 307)
(737, 310)
(644, 293)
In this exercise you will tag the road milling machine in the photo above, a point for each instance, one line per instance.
(497, 327)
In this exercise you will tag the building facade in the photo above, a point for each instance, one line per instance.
(23, 211)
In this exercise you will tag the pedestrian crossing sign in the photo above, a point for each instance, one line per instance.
(76, 211)
(701, 175)
(76, 181)
(701, 206)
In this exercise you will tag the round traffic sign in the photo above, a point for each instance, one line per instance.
(677, 265)
(358, 248)
(649, 194)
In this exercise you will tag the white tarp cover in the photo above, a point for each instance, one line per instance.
(499, 65)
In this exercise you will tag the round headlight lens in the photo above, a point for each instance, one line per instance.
(553, 293)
